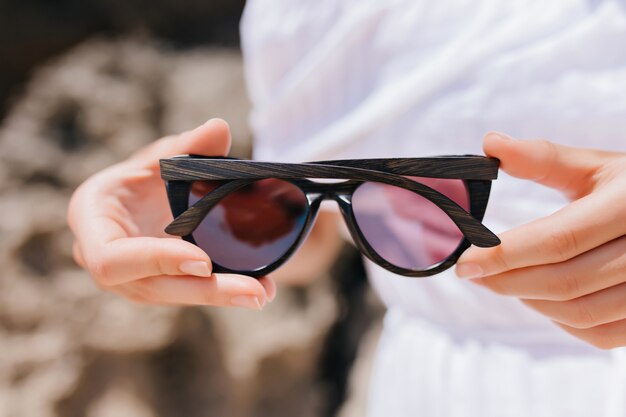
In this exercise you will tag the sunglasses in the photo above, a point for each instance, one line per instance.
(412, 216)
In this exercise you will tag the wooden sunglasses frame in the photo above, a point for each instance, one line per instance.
(477, 172)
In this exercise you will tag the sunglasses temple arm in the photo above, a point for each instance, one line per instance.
(189, 220)
(473, 230)
(476, 232)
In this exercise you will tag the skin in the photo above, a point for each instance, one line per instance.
(571, 265)
(118, 216)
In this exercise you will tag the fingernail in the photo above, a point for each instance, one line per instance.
(499, 135)
(196, 268)
(247, 301)
(216, 120)
(469, 270)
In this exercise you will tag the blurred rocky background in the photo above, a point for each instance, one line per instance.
(82, 85)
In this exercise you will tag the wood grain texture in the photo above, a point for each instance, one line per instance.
(476, 171)
(453, 167)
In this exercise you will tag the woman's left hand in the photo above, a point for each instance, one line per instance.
(571, 265)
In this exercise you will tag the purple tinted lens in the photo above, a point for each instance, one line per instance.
(406, 229)
(253, 226)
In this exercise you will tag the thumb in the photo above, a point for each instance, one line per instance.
(564, 168)
(209, 139)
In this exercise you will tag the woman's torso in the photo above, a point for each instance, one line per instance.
(332, 79)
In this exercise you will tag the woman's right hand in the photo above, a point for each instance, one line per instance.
(118, 216)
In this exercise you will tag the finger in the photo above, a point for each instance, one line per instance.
(593, 271)
(211, 138)
(270, 287)
(96, 208)
(78, 255)
(565, 168)
(574, 229)
(129, 259)
(128, 293)
(606, 336)
(217, 290)
(591, 310)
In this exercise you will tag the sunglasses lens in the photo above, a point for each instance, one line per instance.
(253, 226)
(406, 229)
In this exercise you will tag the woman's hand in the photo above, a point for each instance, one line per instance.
(571, 265)
(118, 217)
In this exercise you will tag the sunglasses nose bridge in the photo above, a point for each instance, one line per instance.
(340, 193)
(315, 199)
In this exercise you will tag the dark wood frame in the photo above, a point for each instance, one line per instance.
(477, 172)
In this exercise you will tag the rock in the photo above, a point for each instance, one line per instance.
(70, 349)
(119, 401)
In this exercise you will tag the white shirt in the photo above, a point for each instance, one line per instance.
(371, 78)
